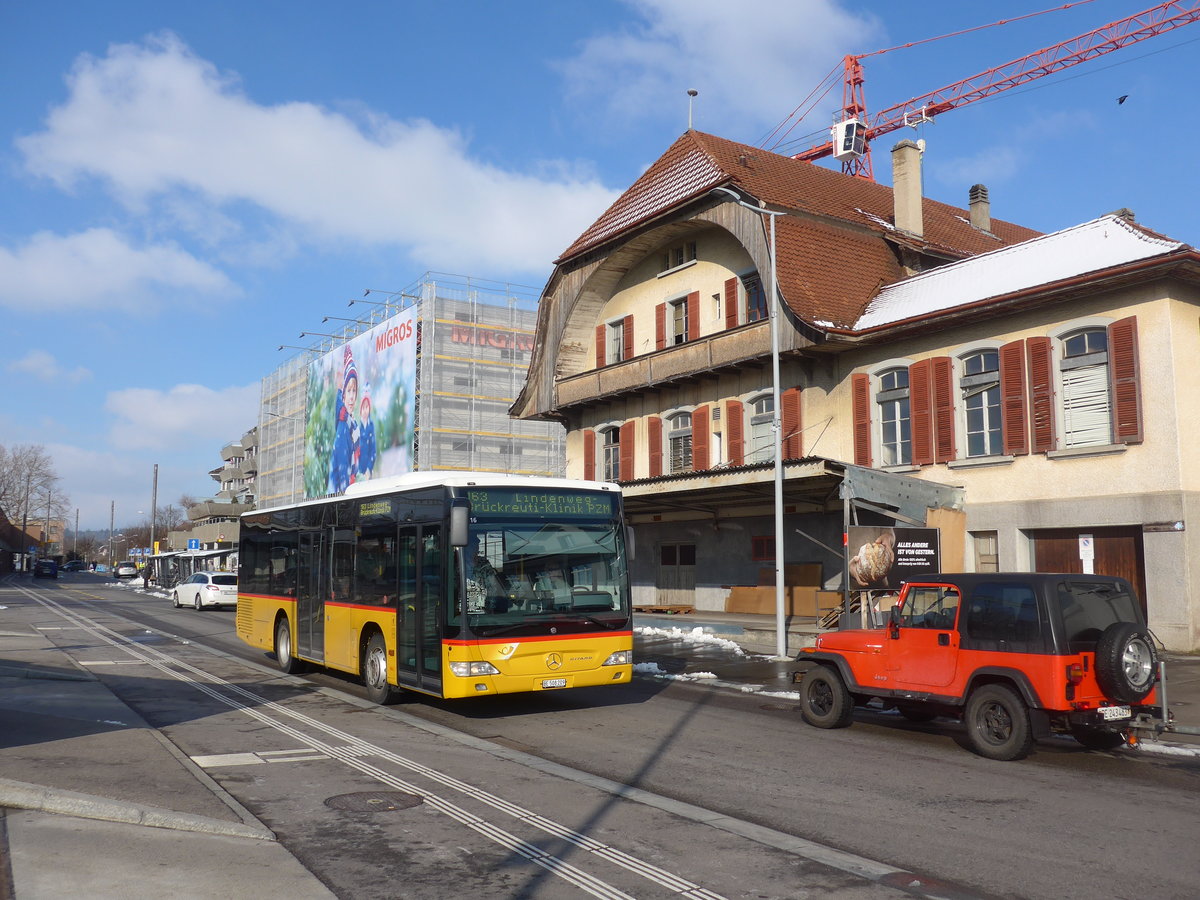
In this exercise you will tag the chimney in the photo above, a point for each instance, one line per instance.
(981, 208)
(906, 187)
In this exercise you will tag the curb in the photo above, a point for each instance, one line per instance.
(43, 674)
(20, 795)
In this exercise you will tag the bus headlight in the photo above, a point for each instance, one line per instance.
(473, 669)
(620, 658)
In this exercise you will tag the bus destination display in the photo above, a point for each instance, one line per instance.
(557, 504)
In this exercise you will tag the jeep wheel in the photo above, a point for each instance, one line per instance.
(824, 700)
(997, 722)
(1095, 739)
(1126, 663)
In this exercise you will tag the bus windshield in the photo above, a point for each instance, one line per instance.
(526, 577)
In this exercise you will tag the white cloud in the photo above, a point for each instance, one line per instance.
(747, 75)
(155, 122)
(46, 367)
(98, 266)
(182, 417)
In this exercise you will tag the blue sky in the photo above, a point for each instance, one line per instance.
(185, 187)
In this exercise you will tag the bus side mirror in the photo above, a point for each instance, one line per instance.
(630, 542)
(460, 512)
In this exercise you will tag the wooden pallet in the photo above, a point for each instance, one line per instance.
(666, 609)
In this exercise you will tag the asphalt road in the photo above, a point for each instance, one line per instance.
(1064, 823)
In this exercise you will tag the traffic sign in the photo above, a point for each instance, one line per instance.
(193, 543)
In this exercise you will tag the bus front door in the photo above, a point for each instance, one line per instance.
(419, 616)
(310, 597)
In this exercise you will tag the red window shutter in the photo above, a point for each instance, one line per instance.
(1041, 394)
(860, 390)
(1126, 381)
(944, 447)
(1012, 398)
(920, 396)
(589, 455)
(654, 429)
(601, 350)
(736, 428)
(660, 326)
(693, 315)
(731, 302)
(627, 338)
(627, 451)
(700, 435)
(793, 440)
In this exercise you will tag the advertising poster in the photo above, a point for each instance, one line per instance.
(361, 408)
(881, 558)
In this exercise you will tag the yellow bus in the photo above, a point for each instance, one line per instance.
(452, 584)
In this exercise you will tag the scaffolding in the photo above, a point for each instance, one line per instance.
(475, 339)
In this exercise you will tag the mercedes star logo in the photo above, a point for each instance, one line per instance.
(553, 661)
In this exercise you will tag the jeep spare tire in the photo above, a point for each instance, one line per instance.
(1126, 662)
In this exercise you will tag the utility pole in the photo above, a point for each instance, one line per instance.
(25, 523)
(48, 542)
(153, 507)
(112, 514)
(75, 547)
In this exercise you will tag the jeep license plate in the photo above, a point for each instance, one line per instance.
(562, 682)
(1111, 713)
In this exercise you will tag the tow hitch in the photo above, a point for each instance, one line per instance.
(1153, 726)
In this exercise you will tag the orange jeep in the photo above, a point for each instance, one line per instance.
(1014, 656)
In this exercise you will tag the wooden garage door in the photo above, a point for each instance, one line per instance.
(1118, 551)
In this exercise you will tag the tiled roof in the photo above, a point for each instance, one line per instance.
(828, 271)
(1091, 247)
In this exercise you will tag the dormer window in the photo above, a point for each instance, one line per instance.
(679, 255)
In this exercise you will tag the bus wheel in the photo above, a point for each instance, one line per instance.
(283, 647)
(374, 670)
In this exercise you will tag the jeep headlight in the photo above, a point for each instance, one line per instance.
(473, 669)
(620, 658)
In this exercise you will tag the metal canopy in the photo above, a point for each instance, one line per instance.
(814, 484)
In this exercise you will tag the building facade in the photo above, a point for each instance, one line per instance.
(475, 339)
(938, 368)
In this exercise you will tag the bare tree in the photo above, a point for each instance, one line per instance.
(29, 489)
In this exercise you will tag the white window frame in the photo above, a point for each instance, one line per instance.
(610, 452)
(614, 341)
(1083, 405)
(897, 399)
(760, 440)
(677, 321)
(975, 386)
(679, 441)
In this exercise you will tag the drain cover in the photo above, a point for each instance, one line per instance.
(374, 801)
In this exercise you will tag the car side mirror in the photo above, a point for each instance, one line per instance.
(894, 622)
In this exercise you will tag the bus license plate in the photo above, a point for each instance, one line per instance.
(554, 682)
(1110, 713)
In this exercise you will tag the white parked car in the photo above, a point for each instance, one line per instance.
(125, 570)
(206, 589)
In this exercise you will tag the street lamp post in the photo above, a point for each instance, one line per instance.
(776, 422)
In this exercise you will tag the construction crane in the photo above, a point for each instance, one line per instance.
(853, 132)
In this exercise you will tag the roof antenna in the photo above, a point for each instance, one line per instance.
(691, 96)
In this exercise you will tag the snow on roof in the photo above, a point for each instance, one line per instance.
(1100, 244)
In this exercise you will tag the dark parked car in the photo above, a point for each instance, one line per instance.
(74, 565)
(45, 568)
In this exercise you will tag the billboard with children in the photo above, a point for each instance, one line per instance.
(361, 408)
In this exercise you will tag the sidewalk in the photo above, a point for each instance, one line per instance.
(84, 778)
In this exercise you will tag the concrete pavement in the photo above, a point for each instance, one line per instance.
(95, 801)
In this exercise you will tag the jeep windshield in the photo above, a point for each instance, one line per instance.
(1089, 607)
